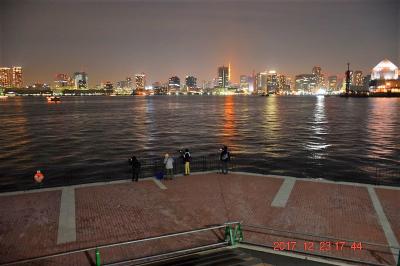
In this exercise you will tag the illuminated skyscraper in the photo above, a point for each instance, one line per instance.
(261, 83)
(357, 78)
(80, 80)
(16, 77)
(140, 82)
(129, 83)
(272, 82)
(62, 81)
(305, 83)
(108, 86)
(244, 82)
(5, 77)
(191, 82)
(283, 85)
(174, 84)
(332, 83)
(319, 77)
(223, 76)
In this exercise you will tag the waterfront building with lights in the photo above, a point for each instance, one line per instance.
(191, 82)
(261, 83)
(16, 80)
(332, 83)
(305, 83)
(174, 85)
(140, 83)
(5, 77)
(385, 78)
(11, 77)
(80, 80)
(223, 76)
(272, 82)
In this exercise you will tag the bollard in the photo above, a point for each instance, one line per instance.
(98, 263)
(238, 233)
(230, 235)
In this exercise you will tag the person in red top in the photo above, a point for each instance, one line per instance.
(38, 176)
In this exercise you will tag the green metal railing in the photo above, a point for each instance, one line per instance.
(233, 235)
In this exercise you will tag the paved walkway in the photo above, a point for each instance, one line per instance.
(61, 219)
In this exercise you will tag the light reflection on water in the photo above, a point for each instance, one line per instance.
(93, 136)
(318, 144)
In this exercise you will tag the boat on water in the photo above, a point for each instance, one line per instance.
(53, 99)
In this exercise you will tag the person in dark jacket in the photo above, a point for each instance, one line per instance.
(135, 164)
(224, 157)
(187, 158)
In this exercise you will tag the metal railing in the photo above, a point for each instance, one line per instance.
(294, 237)
(374, 173)
(232, 235)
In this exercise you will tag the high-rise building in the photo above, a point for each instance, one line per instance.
(366, 81)
(108, 86)
(319, 77)
(140, 82)
(174, 84)
(129, 83)
(223, 76)
(11, 77)
(357, 78)
(283, 86)
(62, 81)
(272, 82)
(5, 77)
(306, 83)
(261, 83)
(16, 77)
(244, 82)
(191, 82)
(80, 80)
(332, 83)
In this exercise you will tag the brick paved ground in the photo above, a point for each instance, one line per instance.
(119, 212)
(390, 200)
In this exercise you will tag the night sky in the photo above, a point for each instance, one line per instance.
(111, 40)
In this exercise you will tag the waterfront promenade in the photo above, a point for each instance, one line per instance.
(47, 221)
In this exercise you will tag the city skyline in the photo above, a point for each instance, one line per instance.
(187, 40)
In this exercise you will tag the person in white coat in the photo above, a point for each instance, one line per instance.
(169, 166)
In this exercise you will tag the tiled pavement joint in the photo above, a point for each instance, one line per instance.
(66, 221)
(282, 197)
(158, 183)
(387, 229)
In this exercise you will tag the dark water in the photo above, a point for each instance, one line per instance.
(89, 137)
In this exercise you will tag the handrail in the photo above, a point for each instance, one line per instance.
(119, 244)
(320, 236)
(184, 251)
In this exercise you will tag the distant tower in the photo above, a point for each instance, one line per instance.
(348, 79)
(223, 76)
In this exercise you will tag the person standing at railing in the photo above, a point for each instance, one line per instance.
(135, 164)
(224, 157)
(187, 158)
(169, 166)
